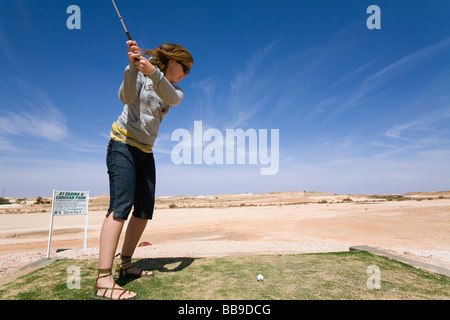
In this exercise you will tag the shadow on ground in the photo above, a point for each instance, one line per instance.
(160, 265)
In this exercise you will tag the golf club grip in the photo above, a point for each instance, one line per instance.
(129, 36)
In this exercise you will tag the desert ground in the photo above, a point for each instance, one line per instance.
(414, 225)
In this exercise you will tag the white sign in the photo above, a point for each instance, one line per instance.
(69, 203)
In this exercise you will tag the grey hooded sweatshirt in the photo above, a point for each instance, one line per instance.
(147, 100)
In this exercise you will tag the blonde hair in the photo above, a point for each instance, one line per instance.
(161, 55)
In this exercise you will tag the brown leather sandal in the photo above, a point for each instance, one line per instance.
(103, 273)
(122, 272)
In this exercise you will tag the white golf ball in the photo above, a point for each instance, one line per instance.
(260, 277)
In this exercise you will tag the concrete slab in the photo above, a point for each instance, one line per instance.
(414, 263)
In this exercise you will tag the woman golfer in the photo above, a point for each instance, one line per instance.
(148, 91)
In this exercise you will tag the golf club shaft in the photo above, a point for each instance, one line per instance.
(121, 20)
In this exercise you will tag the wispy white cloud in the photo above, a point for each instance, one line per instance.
(427, 128)
(352, 74)
(206, 89)
(33, 114)
(399, 67)
(248, 89)
(408, 61)
(362, 83)
(34, 117)
(235, 104)
(398, 130)
(6, 146)
(46, 122)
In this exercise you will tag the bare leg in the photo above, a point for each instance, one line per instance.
(135, 228)
(109, 238)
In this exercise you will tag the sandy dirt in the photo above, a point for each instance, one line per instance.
(417, 227)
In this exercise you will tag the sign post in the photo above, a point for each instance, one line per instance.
(69, 203)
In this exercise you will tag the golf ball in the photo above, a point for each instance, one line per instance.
(260, 277)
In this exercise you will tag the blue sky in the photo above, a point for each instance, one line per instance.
(357, 110)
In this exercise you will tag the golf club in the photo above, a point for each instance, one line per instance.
(121, 20)
(144, 52)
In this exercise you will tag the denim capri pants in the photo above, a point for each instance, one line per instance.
(132, 179)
